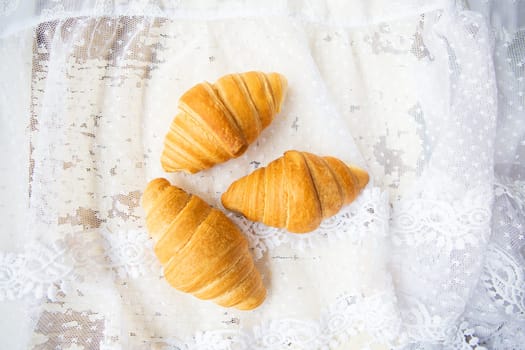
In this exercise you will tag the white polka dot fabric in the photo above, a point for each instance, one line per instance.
(426, 95)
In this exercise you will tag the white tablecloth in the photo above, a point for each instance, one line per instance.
(428, 96)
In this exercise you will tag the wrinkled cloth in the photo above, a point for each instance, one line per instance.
(425, 95)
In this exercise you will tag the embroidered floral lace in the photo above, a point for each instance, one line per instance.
(427, 95)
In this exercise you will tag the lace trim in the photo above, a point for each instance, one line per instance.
(454, 334)
(422, 325)
(504, 280)
(436, 232)
(446, 225)
(367, 214)
(373, 317)
(46, 269)
(464, 338)
(52, 270)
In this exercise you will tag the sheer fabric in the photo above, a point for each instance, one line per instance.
(426, 95)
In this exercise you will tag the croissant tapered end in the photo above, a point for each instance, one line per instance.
(219, 121)
(234, 198)
(296, 191)
(254, 301)
(153, 190)
(361, 175)
(201, 250)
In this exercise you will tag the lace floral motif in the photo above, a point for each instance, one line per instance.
(504, 280)
(348, 316)
(11, 279)
(45, 269)
(455, 335)
(131, 253)
(464, 338)
(434, 231)
(421, 323)
(366, 214)
(496, 309)
(426, 221)
(442, 240)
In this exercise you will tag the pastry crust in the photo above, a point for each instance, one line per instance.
(219, 121)
(296, 191)
(202, 251)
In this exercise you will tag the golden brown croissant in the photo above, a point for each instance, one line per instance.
(296, 191)
(202, 251)
(217, 122)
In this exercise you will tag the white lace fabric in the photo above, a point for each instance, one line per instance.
(426, 95)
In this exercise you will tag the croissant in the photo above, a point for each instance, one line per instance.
(201, 250)
(217, 122)
(296, 191)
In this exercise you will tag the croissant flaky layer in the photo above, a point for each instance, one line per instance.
(201, 250)
(217, 122)
(296, 191)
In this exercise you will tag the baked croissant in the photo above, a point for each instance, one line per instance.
(217, 122)
(296, 191)
(201, 250)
